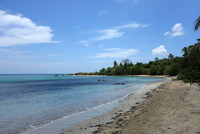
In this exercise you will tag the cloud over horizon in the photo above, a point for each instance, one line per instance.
(116, 53)
(15, 54)
(159, 51)
(19, 30)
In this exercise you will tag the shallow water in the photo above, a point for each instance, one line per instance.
(28, 101)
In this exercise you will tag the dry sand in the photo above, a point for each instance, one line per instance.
(173, 109)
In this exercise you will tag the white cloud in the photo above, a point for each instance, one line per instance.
(13, 54)
(19, 30)
(116, 53)
(50, 55)
(18, 65)
(101, 61)
(167, 33)
(85, 43)
(132, 25)
(101, 45)
(159, 51)
(176, 30)
(102, 12)
(107, 34)
(114, 32)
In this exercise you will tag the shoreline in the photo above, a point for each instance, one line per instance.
(92, 125)
(161, 76)
(63, 124)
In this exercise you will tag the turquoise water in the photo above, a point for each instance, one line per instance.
(28, 101)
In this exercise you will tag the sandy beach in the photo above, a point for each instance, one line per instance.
(170, 107)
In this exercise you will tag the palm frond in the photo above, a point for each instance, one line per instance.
(197, 23)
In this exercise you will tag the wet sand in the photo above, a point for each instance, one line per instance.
(171, 107)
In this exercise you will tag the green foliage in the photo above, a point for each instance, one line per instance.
(153, 70)
(135, 70)
(109, 71)
(115, 64)
(172, 70)
(170, 57)
(160, 70)
(190, 74)
(145, 71)
(167, 70)
(193, 54)
(156, 59)
(190, 67)
(102, 71)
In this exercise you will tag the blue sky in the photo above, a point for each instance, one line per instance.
(68, 36)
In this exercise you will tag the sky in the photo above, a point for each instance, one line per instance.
(69, 36)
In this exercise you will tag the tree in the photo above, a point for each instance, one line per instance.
(145, 71)
(139, 64)
(153, 70)
(170, 56)
(115, 64)
(119, 70)
(173, 69)
(197, 23)
(135, 70)
(102, 71)
(193, 53)
(109, 71)
(156, 59)
(190, 66)
(151, 63)
(126, 61)
(184, 50)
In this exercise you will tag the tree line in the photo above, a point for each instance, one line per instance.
(186, 67)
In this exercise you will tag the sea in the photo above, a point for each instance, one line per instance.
(30, 101)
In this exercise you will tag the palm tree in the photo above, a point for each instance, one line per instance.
(170, 56)
(184, 50)
(115, 64)
(197, 23)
